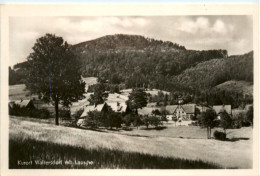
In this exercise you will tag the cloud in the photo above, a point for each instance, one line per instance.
(201, 24)
(220, 27)
(233, 33)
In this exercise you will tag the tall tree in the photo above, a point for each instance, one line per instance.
(137, 99)
(225, 120)
(208, 120)
(54, 72)
(99, 96)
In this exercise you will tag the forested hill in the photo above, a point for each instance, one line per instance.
(217, 71)
(123, 41)
(137, 61)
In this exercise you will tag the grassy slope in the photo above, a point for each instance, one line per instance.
(226, 154)
(99, 158)
(237, 86)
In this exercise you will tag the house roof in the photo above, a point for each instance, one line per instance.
(87, 109)
(202, 108)
(22, 103)
(188, 108)
(118, 107)
(235, 112)
(147, 110)
(171, 108)
(11, 104)
(221, 108)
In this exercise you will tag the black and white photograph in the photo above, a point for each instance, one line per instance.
(131, 92)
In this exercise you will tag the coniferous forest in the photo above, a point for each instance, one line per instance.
(135, 61)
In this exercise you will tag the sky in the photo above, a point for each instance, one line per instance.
(233, 33)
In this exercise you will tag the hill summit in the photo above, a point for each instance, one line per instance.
(125, 41)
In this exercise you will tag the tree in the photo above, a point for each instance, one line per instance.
(156, 112)
(208, 120)
(114, 119)
(128, 119)
(137, 99)
(54, 72)
(99, 96)
(94, 119)
(225, 121)
(164, 114)
(250, 115)
(146, 120)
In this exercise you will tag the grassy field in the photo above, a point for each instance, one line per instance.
(40, 155)
(172, 142)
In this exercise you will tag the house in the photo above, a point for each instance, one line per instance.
(119, 107)
(181, 112)
(202, 108)
(147, 110)
(99, 107)
(22, 104)
(221, 108)
(116, 107)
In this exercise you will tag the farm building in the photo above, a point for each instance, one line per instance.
(99, 107)
(22, 103)
(117, 107)
(181, 112)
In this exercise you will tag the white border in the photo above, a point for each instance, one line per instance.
(119, 10)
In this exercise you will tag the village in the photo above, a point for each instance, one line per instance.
(178, 123)
(180, 114)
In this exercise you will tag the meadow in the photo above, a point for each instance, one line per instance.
(60, 156)
(184, 145)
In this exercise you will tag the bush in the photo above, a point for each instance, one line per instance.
(236, 124)
(240, 120)
(220, 135)
(155, 121)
